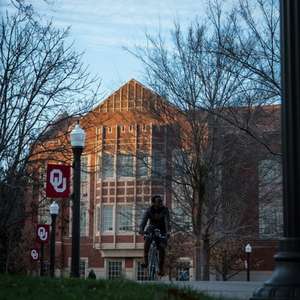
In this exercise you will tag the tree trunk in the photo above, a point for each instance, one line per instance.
(4, 253)
(170, 274)
(198, 265)
(198, 200)
(206, 259)
(224, 277)
(224, 266)
(7, 260)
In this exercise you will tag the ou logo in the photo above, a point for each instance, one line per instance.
(42, 234)
(57, 180)
(34, 254)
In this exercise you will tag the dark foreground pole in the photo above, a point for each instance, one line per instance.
(42, 260)
(285, 281)
(76, 213)
(54, 209)
(52, 245)
(248, 266)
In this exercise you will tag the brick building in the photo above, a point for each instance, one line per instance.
(125, 161)
(255, 178)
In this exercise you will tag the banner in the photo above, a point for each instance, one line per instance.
(34, 254)
(42, 233)
(58, 181)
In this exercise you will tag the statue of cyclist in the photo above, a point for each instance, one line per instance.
(159, 218)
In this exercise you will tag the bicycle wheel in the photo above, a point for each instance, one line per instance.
(153, 262)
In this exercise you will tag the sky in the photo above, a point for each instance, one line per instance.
(102, 28)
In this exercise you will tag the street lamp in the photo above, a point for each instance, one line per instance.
(77, 141)
(284, 283)
(248, 250)
(54, 209)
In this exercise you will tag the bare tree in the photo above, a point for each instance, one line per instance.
(206, 76)
(248, 36)
(41, 77)
(179, 247)
(252, 40)
(198, 83)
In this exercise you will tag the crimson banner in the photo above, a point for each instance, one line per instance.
(34, 254)
(42, 233)
(58, 181)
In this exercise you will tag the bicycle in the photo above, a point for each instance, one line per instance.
(153, 255)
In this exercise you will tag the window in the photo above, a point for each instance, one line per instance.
(218, 181)
(142, 164)
(84, 168)
(84, 191)
(182, 219)
(98, 211)
(125, 165)
(141, 273)
(270, 199)
(180, 163)
(270, 222)
(100, 166)
(124, 217)
(131, 128)
(83, 221)
(43, 213)
(139, 213)
(82, 268)
(43, 208)
(42, 177)
(269, 172)
(107, 218)
(122, 128)
(181, 209)
(107, 165)
(158, 164)
(114, 269)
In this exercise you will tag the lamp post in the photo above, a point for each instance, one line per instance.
(284, 283)
(77, 141)
(42, 268)
(54, 209)
(248, 250)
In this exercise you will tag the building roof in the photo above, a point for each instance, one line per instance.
(132, 91)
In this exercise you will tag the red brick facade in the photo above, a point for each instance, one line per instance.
(116, 181)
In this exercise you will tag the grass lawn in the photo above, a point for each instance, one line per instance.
(31, 288)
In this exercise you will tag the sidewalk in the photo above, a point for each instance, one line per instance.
(229, 289)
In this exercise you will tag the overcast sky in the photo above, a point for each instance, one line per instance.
(102, 28)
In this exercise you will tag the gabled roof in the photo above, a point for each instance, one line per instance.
(132, 95)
